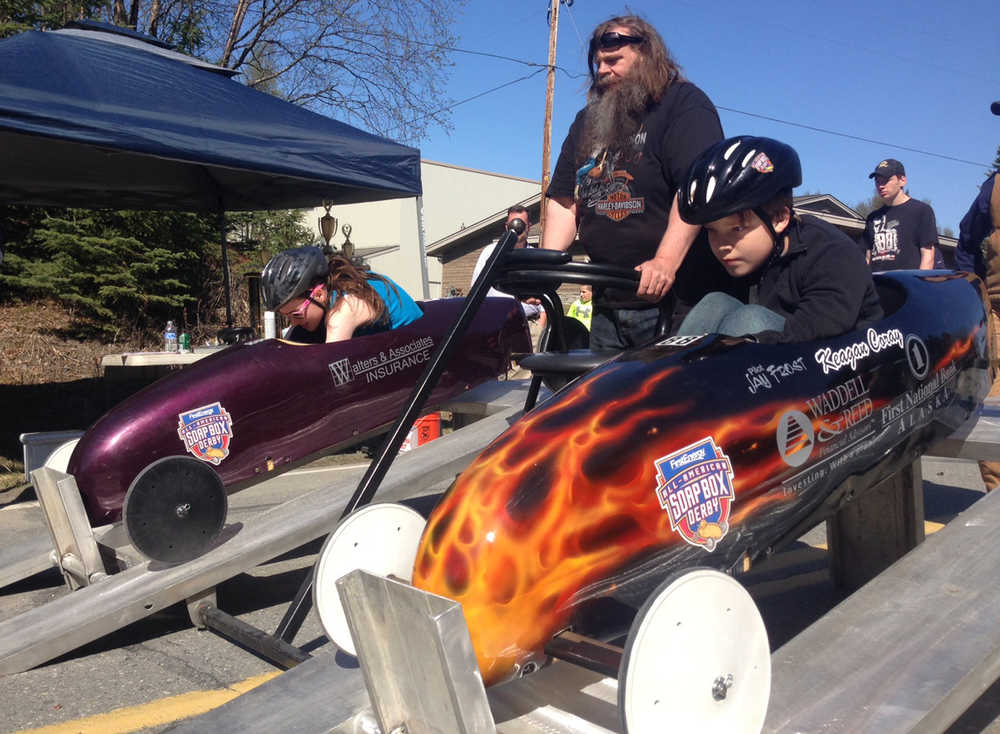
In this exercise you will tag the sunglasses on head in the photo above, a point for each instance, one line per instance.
(613, 39)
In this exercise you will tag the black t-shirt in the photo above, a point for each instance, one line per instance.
(821, 285)
(895, 234)
(623, 202)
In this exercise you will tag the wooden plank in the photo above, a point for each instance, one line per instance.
(909, 651)
(64, 624)
(978, 439)
(314, 696)
(325, 694)
(489, 398)
(158, 359)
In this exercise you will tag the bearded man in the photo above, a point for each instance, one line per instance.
(616, 182)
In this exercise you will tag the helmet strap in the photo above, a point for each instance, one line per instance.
(778, 242)
(324, 306)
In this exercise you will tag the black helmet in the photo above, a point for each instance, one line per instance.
(292, 273)
(736, 174)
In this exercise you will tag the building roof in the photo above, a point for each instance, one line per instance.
(367, 252)
(478, 170)
(477, 229)
(824, 204)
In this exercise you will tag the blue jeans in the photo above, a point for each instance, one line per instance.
(720, 313)
(623, 328)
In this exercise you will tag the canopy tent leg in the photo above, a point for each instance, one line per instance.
(225, 269)
(422, 247)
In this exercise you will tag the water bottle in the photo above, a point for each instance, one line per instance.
(170, 338)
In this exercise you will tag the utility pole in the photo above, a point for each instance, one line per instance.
(549, 93)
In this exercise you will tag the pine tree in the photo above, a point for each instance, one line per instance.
(268, 231)
(21, 15)
(119, 272)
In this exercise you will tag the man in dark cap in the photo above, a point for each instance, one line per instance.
(902, 235)
(982, 222)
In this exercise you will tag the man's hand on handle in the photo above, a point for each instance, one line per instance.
(656, 278)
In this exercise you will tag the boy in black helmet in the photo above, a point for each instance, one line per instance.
(805, 278)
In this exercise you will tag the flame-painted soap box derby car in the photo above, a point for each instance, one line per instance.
(693, 452)
(167, 457)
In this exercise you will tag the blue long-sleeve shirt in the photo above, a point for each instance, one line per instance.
(974, 227)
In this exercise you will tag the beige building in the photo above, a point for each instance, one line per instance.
(388, 233)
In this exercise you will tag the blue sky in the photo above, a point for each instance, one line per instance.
(915, 74)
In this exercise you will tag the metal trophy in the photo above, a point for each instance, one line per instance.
(327, 228)
(348, 247)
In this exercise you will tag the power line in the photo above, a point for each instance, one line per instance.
(450, 107)
(510, 58)
(569, 12)
(486, 54)
(542, 67)
(854, 137)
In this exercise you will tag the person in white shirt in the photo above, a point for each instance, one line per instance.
(532, 307)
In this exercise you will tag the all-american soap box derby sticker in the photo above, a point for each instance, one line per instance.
(206, 432)
(695, 487)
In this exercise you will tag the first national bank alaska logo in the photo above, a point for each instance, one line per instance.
(206, 432)
(695, 487)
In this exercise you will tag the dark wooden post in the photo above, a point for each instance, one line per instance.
(876, 529)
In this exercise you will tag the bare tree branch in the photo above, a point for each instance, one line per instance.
(382, 64)
(239, 14)
(154, 17)
(120, 16)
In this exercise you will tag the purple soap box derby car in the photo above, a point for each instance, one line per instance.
(165, 459)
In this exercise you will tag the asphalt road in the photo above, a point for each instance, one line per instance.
(161, 670)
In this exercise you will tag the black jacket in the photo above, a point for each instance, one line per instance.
(821, 285)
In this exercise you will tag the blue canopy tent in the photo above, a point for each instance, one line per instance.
(89, 122)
